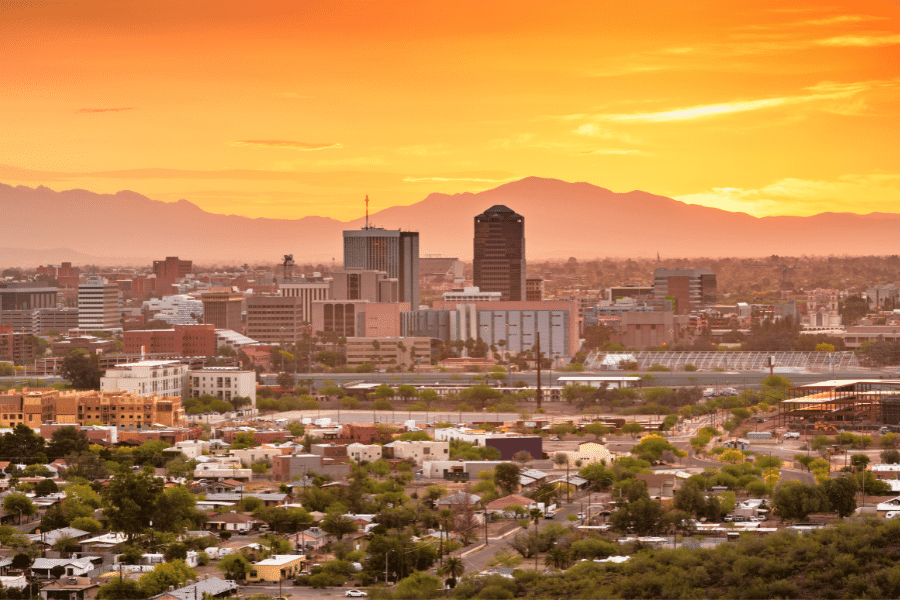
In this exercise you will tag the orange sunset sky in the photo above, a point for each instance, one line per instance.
(301, 108)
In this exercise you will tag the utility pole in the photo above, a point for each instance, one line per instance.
(539, 394)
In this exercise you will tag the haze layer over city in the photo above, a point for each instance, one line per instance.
(449, 300)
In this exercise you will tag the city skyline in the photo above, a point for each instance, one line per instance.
(303, 110)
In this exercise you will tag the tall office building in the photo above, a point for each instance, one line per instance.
(168, 272)
(393, 251)
(499, 255)
(223, 309)
(690, 288)
(26, 295)
(99, 305)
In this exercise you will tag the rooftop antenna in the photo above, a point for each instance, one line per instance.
(367, 211)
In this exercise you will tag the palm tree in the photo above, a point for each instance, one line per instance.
(444, 516)
(558, 558)
(536, 515)
(453, 569)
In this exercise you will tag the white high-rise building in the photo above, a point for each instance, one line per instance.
(99, 305)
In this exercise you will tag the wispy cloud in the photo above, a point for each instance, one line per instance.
(821, 92)
(612, 151)
(286, 144)
(603, 133)
(860, 41)
(792, 196)
(103, 110)
(411, 179)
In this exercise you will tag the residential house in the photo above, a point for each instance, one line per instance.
(233, 522)
(500, 505)
(364, 452)
(71, 588)
(212, 587)
(277, 567)
(659, 484)
(311, 539)
(72, 567)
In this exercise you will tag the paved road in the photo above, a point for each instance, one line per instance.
(737, 379)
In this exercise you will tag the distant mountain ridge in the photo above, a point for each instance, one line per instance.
(561, 219)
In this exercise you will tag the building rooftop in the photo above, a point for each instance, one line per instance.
(279, 559)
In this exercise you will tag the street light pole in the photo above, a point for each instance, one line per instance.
(386, 554)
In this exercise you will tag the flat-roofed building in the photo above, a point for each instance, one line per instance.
(388, 352)
(223, 310)
(99, 305)
(146, 378)
(393, 251)
(276, 319)
(224, 383)
(308, 292)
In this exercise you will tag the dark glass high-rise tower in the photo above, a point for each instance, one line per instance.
(499, 256)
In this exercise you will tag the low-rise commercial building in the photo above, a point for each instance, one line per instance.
(364, 452)
(421, 451)
(286, 468)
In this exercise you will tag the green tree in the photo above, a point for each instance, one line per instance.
(163, 575)
(121, 589)
(597, 430)
(130, 502)
(481, 394)
(86, 524)
(19, 504)
(235, 566)
(22, 444)
(81, 369)
(65, 441)
(45, 487)
(175, 509)
(633, 429)
(453, 568)
(339, 525)
(795, 500)
(890, 456)
(506, 476)
(841, 494)
(407, 392)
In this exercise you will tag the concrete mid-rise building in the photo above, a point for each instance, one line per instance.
(99, 305)
(168, 272)
(224, 383)
(308, 292)
(276, 319)
(223, 310)
(146, 378)
(403, 352)
(517, 323)
(690, 288)
(181, 340)
(534, 289)
(118, 409)
(363, 284)
(471, 294)
(24, 295)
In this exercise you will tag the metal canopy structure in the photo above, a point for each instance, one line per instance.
(842, 404)
(735, 361)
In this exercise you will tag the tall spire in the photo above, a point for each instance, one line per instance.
(367, 211)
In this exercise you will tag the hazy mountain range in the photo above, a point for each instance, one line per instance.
(562, 219)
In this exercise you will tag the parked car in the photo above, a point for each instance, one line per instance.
(581, 516)
(554, 439)
(356, 594)
(548, 515)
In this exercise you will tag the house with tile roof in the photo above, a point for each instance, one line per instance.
(232, 522)
(500, 505)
